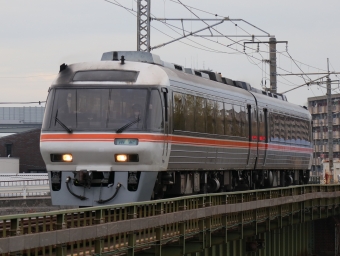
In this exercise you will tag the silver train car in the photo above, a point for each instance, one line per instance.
(132, 127)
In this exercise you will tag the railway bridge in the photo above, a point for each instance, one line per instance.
(262, 222)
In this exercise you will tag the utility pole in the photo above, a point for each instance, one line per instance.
(143, 25)
(272, 63)
(272, 60)
(330, 123)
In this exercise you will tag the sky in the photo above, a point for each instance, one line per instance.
(37, 36)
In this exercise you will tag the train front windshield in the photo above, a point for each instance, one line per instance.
(104, 109)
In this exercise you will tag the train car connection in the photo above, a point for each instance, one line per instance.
(132, 127)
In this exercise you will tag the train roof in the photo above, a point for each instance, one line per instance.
(164, 72)
(147, 57)
(274, 101)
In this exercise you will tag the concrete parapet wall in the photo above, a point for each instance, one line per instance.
(12, 206)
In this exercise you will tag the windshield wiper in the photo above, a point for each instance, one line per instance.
(121, 129)
(61, 123)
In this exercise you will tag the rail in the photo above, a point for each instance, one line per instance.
(186, 224)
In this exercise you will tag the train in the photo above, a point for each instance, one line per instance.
(132, 127)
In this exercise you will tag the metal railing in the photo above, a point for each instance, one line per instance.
(129, 228)
(24, 188)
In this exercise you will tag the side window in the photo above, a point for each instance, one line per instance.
(243, 122)
(308, 127)
(305, 132)
(277, 127)
(155, 115)
(200, 116)
(288, 126)
(228, 113)
(254, 124)
(262, 136)
(210, 117)
(282, 128)
(272, 126)
(189, 113)
(178, 121)
(237, 121)
(219, 118)
(293, 130)
(298, 131)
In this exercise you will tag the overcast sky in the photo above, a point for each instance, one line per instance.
(37, 36)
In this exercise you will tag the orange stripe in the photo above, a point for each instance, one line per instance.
(82, 137)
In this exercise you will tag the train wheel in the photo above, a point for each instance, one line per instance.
(288, 179)
(158, 191)
(268, 182)
(260, 181)
(304, 177)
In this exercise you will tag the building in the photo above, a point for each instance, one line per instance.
(318, 108)
(19, 119)
(9, 165)
(25, 146)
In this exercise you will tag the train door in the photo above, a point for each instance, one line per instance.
(253, 136)
(263, 136)
(166, 121)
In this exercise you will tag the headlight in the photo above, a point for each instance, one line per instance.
(127, 158)
(61, 157)
(121, 158)
(67, 158)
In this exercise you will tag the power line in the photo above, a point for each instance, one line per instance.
(29, 102)
(216, 15)
(209, 49)
(130, 11)
(25, 76)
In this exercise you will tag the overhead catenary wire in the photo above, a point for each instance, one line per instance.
(205, 48)
(217, 31)
(26, 76)
(27, 102)
(216, 15)
(132, 12)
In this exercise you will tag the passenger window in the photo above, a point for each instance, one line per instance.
(298, 131)
(189, 113)
(219, 118)
(228, 113)
(237, 121)
(243, 122)
(200, 116)
(305, 132)
(277, 127)
(293, 130)
(210, 117)
(282, 128)
(309, 133)
(262, 136)
(288, 129)
(178, 112)
(272, 126)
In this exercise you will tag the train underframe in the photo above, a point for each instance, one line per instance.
(89, 188)
(177, 183)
